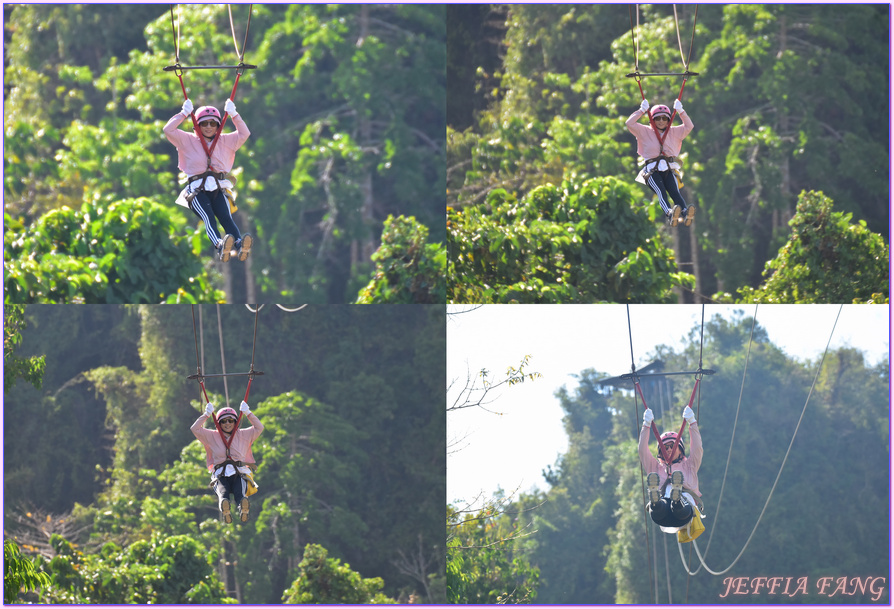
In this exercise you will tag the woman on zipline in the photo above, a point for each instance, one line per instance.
(658, 145)
(228, 456)
(208, 163)
(671, 488)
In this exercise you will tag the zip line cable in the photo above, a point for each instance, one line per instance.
(240, 69)
(637, 75)
(258, 307)
(731, 441)
(686, 60)
(781, 467)
(223, 361)
(642, 474)
(241, 55)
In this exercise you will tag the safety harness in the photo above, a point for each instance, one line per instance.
(252, 486)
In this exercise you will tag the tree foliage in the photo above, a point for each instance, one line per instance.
(324, 580)
(580, 242)
(827, 259)
(483, 567)
(169, 570)
(128, 251)
(19, 573)
(408, 270)
(29, 369)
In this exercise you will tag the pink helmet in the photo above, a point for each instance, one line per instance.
(659, 110)
(226, 412)
(670, 436)
(209, 113)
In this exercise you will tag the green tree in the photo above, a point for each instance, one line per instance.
(578, 511)
(53, 104)
(575, 243)
(773, 125)
(66, 416)
(484, 567)
(324, 580)
(408, 270)
(169, 570)
(827, 259)
(31, 368)
(132, 250)
(366, 142)
(19, 573)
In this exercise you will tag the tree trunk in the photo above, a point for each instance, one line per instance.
(676, 236)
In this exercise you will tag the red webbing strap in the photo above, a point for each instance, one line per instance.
(202, 385)
(691, 399)
(247, 389)
(223, 121)
(239, 70)
(663, 137)
(227, 441)
(661, 448)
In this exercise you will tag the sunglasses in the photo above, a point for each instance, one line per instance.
(208, 124)
(661, 118)
(230, 421)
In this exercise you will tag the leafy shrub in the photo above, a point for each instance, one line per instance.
(573, 243)
(130, 251)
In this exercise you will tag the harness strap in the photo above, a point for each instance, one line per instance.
(217, 175)
(660, 157)
(228, 461)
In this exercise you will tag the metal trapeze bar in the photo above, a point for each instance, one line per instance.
(193, 377)
(635, 74)
(631, 375)
(245, 66)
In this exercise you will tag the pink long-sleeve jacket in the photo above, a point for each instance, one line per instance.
(191, 157)
(647, 145)
(216, 451)
(688, 465)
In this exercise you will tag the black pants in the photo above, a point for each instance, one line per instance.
(664, 183)
(224, 486)
(667, 514)
(214, 204)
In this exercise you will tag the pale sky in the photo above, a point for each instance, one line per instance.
(488, 451)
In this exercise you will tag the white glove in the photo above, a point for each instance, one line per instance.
(648, 417)
(187, 108)
(678, 106)
(209, 408)
(244, 408)
(644, 107)
(230, 108)
(689, 415)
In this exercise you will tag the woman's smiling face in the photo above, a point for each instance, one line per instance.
(209, 128)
